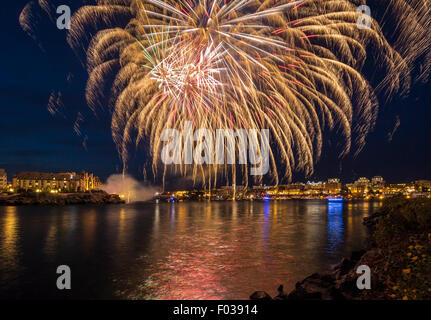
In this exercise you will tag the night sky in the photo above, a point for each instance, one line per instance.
(32, 139)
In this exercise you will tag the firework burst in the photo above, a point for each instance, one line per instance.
(189, 78)
(293, 67)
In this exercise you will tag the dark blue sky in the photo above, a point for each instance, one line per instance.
(32, 139)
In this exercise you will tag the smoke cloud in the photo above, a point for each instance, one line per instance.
(129, 188)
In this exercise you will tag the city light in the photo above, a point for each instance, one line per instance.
(332, 190)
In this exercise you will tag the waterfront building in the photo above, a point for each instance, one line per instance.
(315, 188)
(55, 182)
(378, 182)
(423, 185)
(333, 186)
(358, 190)
(353, 189)
(231, 192)
(3, 179)
(361, 186)
(394, 189)
(190, 195)
(295, 189)
(363, 182)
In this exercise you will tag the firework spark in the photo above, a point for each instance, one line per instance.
(190, 79)
(294, 67)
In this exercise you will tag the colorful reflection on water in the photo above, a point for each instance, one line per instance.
(194, 250)
(335, 226)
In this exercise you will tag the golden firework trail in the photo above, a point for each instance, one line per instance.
(296, 68)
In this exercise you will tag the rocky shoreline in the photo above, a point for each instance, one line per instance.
(336, 284)
(339, 283)
(99, 198)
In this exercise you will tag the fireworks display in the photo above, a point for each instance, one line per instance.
(298, 68)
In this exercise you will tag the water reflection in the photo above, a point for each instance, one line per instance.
(266, 224)
(335, 226)
(194, 250)
(9, 238)
(51, 239)
(219, 254)
(88, 230)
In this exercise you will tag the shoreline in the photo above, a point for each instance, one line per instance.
(41, 199)
(265, 201)
(398, 254)
(337, 283)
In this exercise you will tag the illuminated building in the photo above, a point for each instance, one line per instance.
(291, 189)
(231, 192)
(353, 189)
(333, 186)
(378, 181)
(363, 182)
(3, 179)
(362, 188)
(423, 185)
(393, 189)
(55, 182)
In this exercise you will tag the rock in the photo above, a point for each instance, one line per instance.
(281, 295)
(327, 280)
(337, 274)
(316, 287)
(336, 294)
(347, 285)
(344, 266)
(307, 289)
(301, 294)
(357, 255)
(260, 295)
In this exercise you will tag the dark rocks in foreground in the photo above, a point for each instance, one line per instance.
(260, 295)
(338, 284)
(99, 197)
